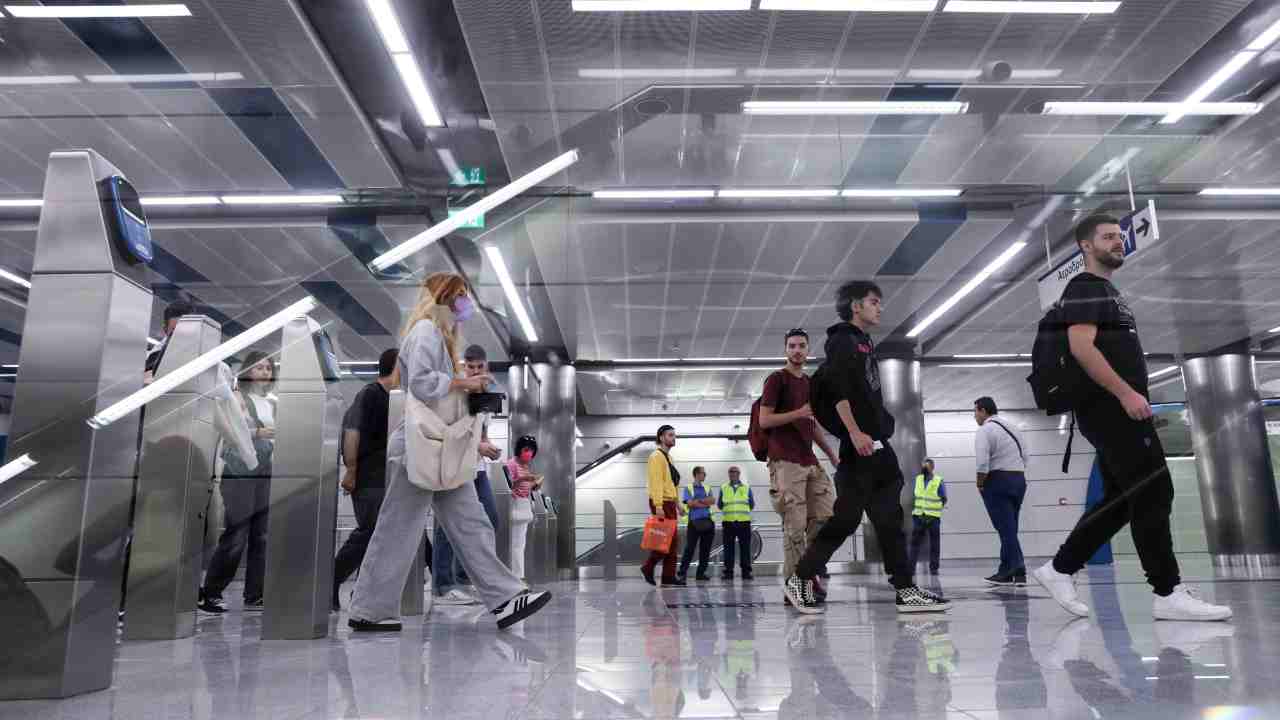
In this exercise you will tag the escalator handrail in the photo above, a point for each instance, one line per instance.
(639, 440)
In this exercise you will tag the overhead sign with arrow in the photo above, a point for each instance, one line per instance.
(1141, 231)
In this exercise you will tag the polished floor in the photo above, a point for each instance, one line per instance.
(625, 650)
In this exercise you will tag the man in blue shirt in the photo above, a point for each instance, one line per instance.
(697, 501)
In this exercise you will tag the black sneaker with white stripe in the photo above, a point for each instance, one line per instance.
(521, 607)
(914, 600)
(800, 593)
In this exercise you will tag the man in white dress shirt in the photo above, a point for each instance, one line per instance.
(1001, 458)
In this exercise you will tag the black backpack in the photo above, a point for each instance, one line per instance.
(1057, 380)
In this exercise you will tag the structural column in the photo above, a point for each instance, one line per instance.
(1237, 484)
(900, 384)
(543, 402)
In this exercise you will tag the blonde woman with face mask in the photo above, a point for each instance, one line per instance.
(430, 371)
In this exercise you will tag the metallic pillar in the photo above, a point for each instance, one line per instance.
(175, 478)
(304, 488)
(1237, 484)
(543, 403)
(900, 385)
(63, 522)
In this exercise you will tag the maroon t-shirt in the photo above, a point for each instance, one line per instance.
(792, 442)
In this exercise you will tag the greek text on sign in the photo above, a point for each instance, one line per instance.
(1141, 231)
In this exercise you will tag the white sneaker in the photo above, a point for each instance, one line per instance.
(1062, 588)
(456, 597)
(1182, 604)
(1066, 644)
(1188, 638)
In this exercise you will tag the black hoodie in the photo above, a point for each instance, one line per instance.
(854, 375)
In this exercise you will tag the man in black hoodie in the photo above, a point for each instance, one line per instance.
(868, 477)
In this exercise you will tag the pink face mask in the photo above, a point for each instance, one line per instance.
(526, 456)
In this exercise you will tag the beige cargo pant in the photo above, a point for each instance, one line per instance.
(805, 498)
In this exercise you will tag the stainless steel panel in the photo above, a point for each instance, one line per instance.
(304, 492)
(543, 403)
(1237, 482)
(175, 479)
(903, 398)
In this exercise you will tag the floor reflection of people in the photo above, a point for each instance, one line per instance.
(662, 649)
(741, 661)
(818, 688)
(704, 636)
(1019, 680)
(918, 675)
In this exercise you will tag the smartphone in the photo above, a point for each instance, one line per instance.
(485, 403)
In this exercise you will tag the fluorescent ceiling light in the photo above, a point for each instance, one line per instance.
(900, 192)
(472, 211)
(1241, 191)
(1267, 38)
(779, 193)
(282, 199)
(651, 194)
(1274, 330)
(21, 202)
(186, 372)
(975, 73)
(659, 5)
(384, 18)
(903, 6)
(162, 200)
(1017, 6)
(969, 287)
(153, 342)
(986, 356)
(15, 279)
(417, 87)
(451, 165)
(1058, 107)
(679, 367)
(97, 11)
(701, 359)
(853, 107)
(39, 80)
(513, 295)
(1161, 373)
(166, 78)
(16, 467)
(987, 365)
(642, 73)
(1224, 73)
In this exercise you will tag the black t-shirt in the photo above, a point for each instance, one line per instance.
(1093, 300)
(368, 416)
(854, 374)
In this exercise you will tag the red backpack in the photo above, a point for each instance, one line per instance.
(758, 437)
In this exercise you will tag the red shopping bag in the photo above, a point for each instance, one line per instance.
(657, 534)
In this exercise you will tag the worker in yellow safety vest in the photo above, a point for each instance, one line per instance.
(926, 517)
(736, 503)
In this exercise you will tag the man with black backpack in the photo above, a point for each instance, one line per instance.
(1113, 410)
(846, 400)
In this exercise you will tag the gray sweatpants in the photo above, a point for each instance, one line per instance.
(396, 538)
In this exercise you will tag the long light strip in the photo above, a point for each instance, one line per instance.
(1224, 73)
(16, 279)
(21, 202)
(1267, 38)
(320, 199)
(652, 194)
(969, 287)
(779, 193)
(1039, 8)
(988, 356)
(659, 5)
(185, 372)
(17, 466)
(472, 211)
(902, 6)
(853, 107)
(986, 365)
(152, 342)
(39, 80)
(165, 78)
(642, 73)
(1059, 107)
(98, 11)
(1161, 373)
(172, 200)
(900, 192)
(393, 38)
(1241, 191)
(513, 296)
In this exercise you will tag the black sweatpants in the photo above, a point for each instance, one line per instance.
(366, 502)
(872, 485)
(1138, 491)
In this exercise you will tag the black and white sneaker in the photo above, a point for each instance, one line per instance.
(521, 607)
(800, 593)
(914, 600)
(253, 606)
(212, 606)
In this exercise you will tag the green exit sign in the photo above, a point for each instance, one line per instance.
(469, 176)
(475, 222)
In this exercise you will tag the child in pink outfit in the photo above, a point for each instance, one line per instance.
(523, 483)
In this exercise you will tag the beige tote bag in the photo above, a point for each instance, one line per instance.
(441, 441)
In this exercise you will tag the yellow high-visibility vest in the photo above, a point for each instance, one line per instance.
(928, 501)
(737, 505)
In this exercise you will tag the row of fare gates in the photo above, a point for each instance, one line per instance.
(95, 458)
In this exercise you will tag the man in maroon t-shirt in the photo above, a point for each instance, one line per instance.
(801, 491)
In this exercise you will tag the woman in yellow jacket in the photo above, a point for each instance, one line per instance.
(664, 480)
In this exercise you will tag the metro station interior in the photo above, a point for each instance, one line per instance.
(217, 216)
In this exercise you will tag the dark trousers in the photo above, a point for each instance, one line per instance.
(702, 541)
(737, 536)
(445, 573)
(872, 485)
(366, 503)
(1003, 493)
(668, 559)
(922, 526)
(1138, 490)
(246, 501)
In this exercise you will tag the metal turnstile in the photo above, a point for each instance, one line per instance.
(541, 547)
(304, 487)
(64, 521)
(175, 479)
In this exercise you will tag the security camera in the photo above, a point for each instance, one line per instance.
(997, 71)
